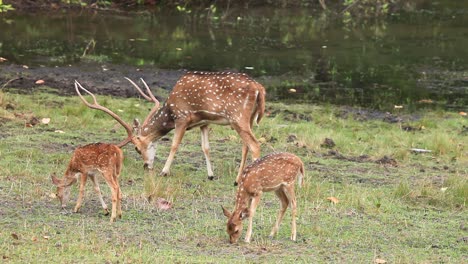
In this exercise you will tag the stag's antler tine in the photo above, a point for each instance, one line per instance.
(97, 106)
(139, 89)
(150, 93)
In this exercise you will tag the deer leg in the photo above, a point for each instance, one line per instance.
(250, 143)
(83, 178)
(98, 192)
(284, 205)
(245, 150)
(289, 192)
(253, 207)
(206, 150)
(178, 135)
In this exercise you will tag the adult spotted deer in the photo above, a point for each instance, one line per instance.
(275, 172)
(88, 161)
(197, 100)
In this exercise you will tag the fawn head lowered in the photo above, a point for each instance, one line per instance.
(197, 100)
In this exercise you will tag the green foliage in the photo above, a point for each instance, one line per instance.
(5, 7)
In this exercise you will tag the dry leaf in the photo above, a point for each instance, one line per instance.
(46, 237)
(2, 59)
(25, 66)
(163, 204)
(333, 199)
(28, 125)
(40, 82)
(15, 236)
(53, 195)
(292, 90)
(380, 261)
(45, 120)
(398, 106)
(34, 238)
(59, 131)
(178, 49)
(462, 113)
(262, 140)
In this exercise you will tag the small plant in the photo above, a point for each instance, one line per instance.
(5, 7)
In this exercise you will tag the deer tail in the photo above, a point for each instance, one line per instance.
(260, 104)
(300, 178)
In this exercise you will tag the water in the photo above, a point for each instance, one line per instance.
(410, 58)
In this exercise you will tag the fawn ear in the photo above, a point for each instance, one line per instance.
(244, 214)
(55, 180)
(226, 212)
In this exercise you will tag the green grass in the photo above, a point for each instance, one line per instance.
(409, 211)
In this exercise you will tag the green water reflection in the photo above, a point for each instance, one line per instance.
(402, 59)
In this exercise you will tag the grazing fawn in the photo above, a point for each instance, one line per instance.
(88, 161)
(197, 100)
(275, 172)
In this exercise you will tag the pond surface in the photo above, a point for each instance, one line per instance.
(416, 57)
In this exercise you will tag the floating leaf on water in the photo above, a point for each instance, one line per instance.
(40, 82)
(425, 101)
(333, 199)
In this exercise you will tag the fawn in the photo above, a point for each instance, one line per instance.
(88, 161)
(275, 172)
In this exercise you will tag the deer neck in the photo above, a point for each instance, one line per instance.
(242, 201)
(161, 123)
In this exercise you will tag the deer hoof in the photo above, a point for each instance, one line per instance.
(163, 173)
(106, 211)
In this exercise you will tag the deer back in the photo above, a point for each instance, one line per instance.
(270, 172)
(211, 97)
(96, 156)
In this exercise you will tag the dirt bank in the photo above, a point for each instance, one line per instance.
(101, 79)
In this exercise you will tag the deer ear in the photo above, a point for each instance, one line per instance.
(226, 212)
(244, 214)
(55, 180)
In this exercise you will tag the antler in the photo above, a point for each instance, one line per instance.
(150, 97)
(97, 106)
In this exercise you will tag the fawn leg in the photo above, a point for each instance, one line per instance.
(98, 192)
(284, 205)
(289, 191)
(253, 207)
(83, 178)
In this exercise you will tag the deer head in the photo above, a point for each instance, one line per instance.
(63, 188)
(234, 224)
